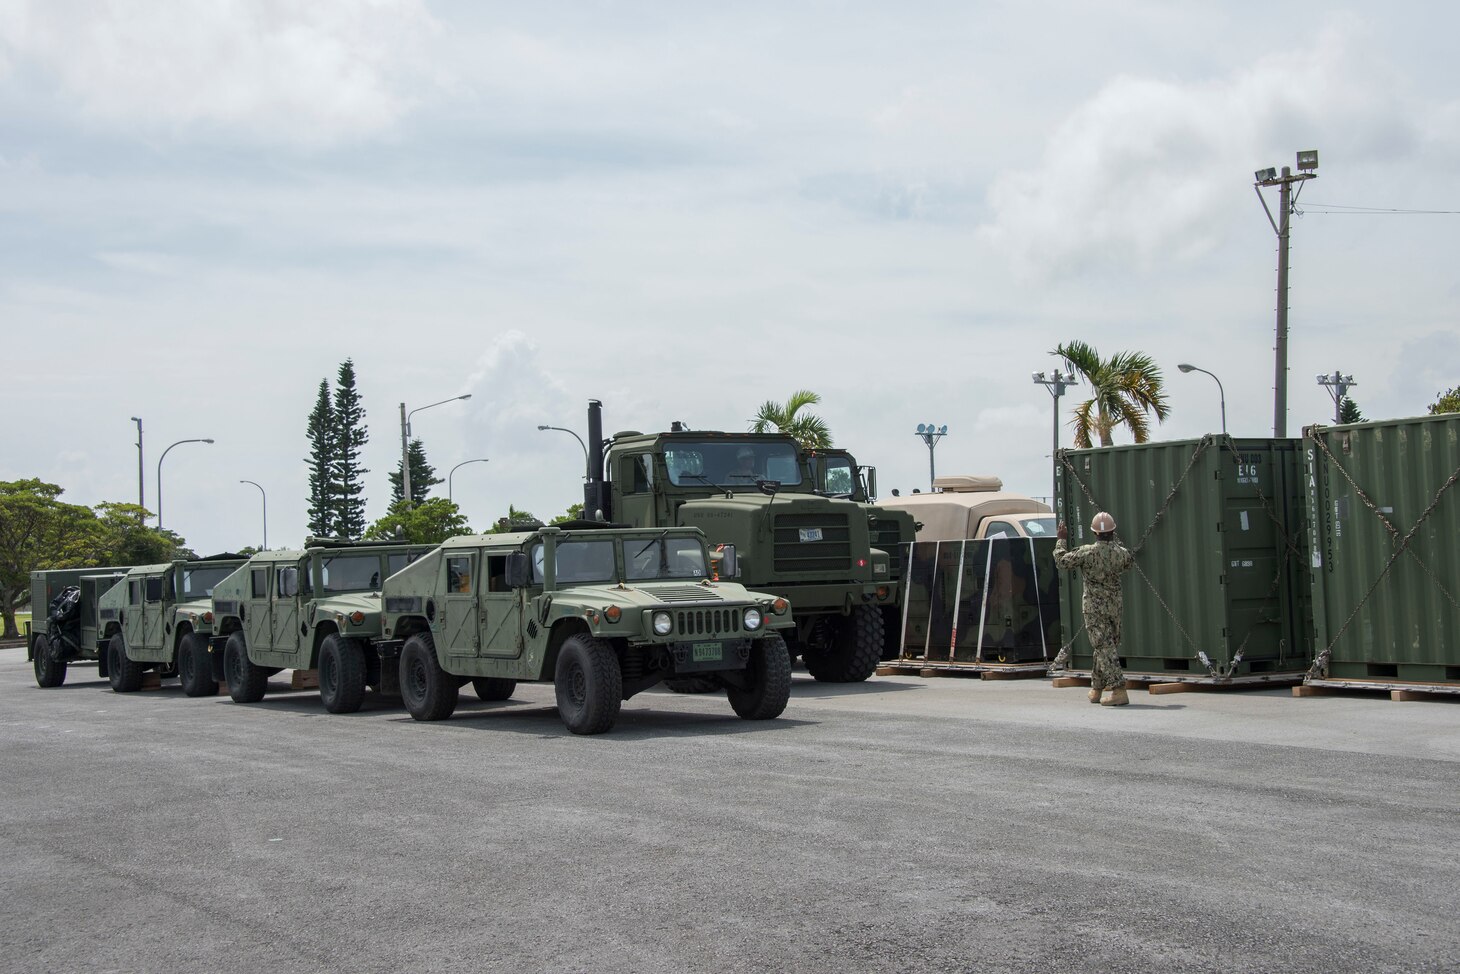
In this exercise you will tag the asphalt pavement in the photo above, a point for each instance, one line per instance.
(902, 824)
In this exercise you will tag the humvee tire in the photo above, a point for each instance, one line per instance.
(48, 672)
(854, 651)
(770, 688)
(246, 682)
(491, 688)
(194, 668)
(125, 675)
(428, 691)
(341, 674)
(588, 684)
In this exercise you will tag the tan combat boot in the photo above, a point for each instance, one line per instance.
(1117, 698)
(1094, 695)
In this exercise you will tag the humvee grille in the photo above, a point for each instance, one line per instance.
(692, 593)
(833, 553)
(708, 622)
(887, 536)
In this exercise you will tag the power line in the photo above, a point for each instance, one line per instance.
(1344, 209)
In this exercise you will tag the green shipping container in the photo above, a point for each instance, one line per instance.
(1218, 591)
(1385, 560)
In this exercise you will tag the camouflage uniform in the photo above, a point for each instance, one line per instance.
(1102, 563)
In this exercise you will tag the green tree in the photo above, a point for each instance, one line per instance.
(123, 540)
(321, 433)
(38, 531)
(1448, 402)
(430, 521)
(1348, 411)
(514, 517)
(573, 513)
(347, 491)
(1126, 388)
(423, 475)
(807, 429)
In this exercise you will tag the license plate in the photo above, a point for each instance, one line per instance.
(706, 652)
(810, 534)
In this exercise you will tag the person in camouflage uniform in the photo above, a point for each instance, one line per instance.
(1102, 564)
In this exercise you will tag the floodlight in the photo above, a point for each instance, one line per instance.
(1265, 175)
(1307, 160)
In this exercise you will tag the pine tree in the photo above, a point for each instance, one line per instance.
(1349, 412)
(321, 433)
(423, 475)
(348, 487)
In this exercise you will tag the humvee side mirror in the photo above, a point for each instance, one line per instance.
(519, 570)
(725, 556)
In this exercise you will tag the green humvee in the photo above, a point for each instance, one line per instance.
(159, 618)
(65, 626)
(317, 608)
(601, 611)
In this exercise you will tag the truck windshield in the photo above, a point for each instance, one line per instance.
(351, 573)
(199, 582)
(730, 463)
(1040, 527)
(585, 561)
(664, 558)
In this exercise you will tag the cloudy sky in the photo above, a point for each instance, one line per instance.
(684, 210)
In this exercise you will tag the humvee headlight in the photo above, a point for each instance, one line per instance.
(357, 617)
(752, 619)
(613, 613)
(663, 623)
(779, 606)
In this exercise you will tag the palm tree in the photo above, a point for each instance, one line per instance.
(1127, 387)
(807, 429)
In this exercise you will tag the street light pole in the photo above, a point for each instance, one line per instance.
(266, 510)
(159, 474)
(1185, 367)
(1287, 198)
(405, 450)
(449, 495)
(587, 464)
(1338, 386)
(931, 435)
(141, 498)
(1056, 383)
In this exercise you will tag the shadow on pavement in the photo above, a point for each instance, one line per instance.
(543, 722)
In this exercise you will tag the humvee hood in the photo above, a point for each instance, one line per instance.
(347, 602)
(647, 594)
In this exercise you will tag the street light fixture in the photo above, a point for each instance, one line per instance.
(405, 437)
(587, 467)
(159, 474)
(1287, 199)
(931, 435)
(1056, 383)
(458, 467)
(1220, 391)
(1338, 386)
(266, 511)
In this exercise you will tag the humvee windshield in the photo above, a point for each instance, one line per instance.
(199, 582)
(581, 561)
(351, 573)
(728, 463)
(394, 563)
(664, 558)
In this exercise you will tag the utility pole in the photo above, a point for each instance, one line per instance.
(1338, 386)
(931, 435)
(141, 498)
(1056, 384)
(1287, 198)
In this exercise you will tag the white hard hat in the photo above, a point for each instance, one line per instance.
(1102, 523)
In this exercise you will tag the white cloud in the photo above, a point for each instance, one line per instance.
(267, 70)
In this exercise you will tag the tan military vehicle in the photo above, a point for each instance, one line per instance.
(974, 507)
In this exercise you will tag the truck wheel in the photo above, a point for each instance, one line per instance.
(48, 672)
(491, 688)
(246, 682)
(125, 675)
(694, 684)
(770, 687)
(589, 685)
(341, 674)
(849, 648)
(194, 668)
(428, 691)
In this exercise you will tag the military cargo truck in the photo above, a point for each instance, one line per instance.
(601, 612)
(159, 617)
(757, 492)
(316, 608)
(65, 627)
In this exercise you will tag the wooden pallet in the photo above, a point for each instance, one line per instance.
(1161, 683)
(304, 680)
(983, 671)
(1405, 690)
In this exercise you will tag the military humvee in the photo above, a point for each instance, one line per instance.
(65, 627)
(602, 612)
(317, 608)
(159, 618)
(761, 493)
